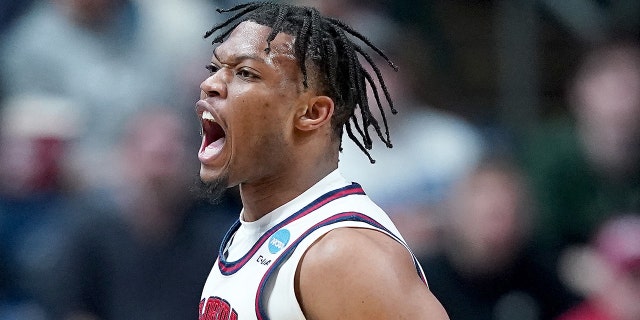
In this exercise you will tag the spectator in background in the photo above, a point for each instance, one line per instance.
(37, 202)
(613, 274)
(145, 255)
(584, 172)
(112, 57)
(486, 269)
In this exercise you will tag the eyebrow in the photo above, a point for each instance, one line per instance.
(236, 59)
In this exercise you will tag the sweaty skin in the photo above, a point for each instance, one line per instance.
(277, 143)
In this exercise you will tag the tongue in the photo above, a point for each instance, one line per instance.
(214, 147)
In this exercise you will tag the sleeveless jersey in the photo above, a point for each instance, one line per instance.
(259, 282)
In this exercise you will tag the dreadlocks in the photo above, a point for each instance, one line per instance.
(325, 43)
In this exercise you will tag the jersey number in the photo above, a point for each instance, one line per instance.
(216, 308)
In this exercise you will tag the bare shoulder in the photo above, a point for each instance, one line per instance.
(357, 273)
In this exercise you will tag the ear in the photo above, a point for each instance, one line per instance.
(315, 114)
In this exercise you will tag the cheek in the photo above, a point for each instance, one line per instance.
(248, 124)
(266, 132)
(257, 114)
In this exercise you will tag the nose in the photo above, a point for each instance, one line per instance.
(214, 86)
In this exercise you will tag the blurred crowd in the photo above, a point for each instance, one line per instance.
(99, 217)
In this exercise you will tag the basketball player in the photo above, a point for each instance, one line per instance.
(284, 83)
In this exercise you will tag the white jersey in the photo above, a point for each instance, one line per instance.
(253, 277)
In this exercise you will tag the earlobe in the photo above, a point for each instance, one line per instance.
(317, 112)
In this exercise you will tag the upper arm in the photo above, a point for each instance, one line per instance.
(354, 273)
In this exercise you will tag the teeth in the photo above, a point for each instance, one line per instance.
(208, 116)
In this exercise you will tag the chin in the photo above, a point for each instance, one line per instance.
(207, 174)
(212, 188)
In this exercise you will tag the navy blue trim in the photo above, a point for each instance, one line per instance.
(231, 267)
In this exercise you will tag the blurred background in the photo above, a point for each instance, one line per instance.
(514, 176)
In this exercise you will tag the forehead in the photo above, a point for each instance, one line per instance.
(250, 39)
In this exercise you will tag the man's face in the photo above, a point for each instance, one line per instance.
(247, 107)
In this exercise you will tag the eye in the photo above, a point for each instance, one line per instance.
(212, 68)
(247, 74)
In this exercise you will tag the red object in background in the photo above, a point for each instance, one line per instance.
(47, 163)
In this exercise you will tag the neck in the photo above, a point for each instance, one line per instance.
(260, 198)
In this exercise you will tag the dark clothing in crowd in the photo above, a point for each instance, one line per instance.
(526, 290)
(111, 272)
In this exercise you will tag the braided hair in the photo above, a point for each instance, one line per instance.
(327, 44)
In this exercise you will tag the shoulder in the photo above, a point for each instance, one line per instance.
(350, 245)
(361, 274)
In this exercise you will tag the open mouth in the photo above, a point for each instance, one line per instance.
(213, 136)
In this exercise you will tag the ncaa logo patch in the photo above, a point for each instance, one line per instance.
(279, 240)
